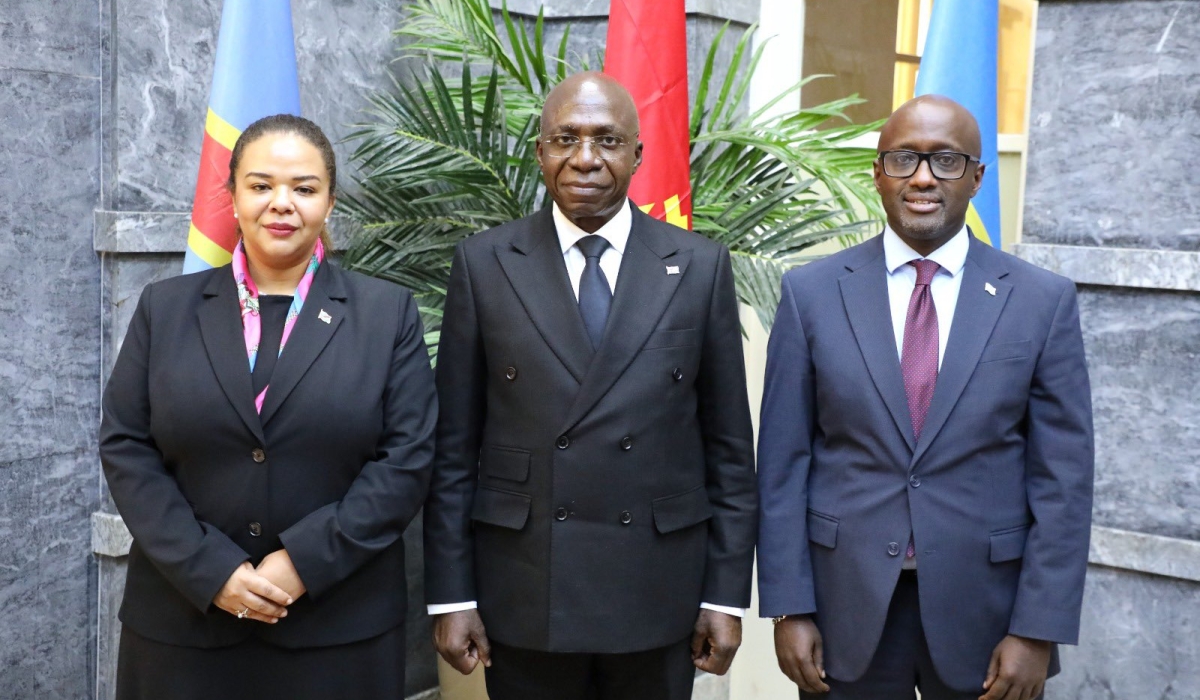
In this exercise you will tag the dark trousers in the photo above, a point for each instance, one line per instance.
(901, 664)
(665, 673)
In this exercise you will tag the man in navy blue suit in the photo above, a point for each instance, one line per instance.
(925, 449)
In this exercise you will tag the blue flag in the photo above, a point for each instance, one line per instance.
(960, 63)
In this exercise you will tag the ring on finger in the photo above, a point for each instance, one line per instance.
(243, 613)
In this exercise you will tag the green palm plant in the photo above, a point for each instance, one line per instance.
(445, 157)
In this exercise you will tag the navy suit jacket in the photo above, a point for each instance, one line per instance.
(997, 492)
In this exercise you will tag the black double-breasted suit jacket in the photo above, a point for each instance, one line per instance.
(333, 469)
(590, 500)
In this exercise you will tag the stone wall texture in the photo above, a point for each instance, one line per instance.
(49, 344)
(1113, 125)
(1112, 202)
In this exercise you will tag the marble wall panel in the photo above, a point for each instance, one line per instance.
(111, 588)
(1137, 640)
(49, 277)
(164, 62)
(57, 36)
(1144, 357)
(45, 578)
(1114, 133)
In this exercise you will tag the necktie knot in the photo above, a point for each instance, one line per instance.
(926, 269)
(592, 246)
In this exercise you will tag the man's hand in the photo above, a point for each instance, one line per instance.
(278, 569)
(801, 654)
(1017, 670)
(247, 594)
(715, 640)
(461, 640)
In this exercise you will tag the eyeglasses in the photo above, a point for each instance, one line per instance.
(945, 165)
(606, 146)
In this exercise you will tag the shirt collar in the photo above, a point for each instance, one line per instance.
(950, 257)
(616, 231)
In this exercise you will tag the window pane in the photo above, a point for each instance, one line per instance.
(1016, 29)
(855, 41)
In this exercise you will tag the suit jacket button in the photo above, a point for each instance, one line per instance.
(914, 482)
(626, 443)
(510, 373)
(255, 529)
(563, 442)
(893, 548)
(258, 455)
(626, 517)
(560, 514)
(677, 374)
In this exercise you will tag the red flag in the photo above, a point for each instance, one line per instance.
(647, 53)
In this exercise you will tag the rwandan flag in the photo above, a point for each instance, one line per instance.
(254, 77)
(647, 53)
(960, 63)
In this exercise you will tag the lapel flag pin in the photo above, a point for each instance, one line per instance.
(325, 317)
(672, 269)
(987, 287)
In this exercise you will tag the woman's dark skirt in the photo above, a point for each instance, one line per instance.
(252, 670)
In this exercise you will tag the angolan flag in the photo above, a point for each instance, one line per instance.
(254, 76)
(647, 53)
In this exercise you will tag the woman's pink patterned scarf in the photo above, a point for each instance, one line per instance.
(248, 300)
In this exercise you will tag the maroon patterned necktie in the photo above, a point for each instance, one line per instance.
(919, 355)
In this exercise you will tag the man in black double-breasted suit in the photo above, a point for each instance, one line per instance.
(591, 521)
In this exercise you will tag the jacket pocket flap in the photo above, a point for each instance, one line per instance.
(681, 510)
(1009, 544)
(500, 508)
(1006, 351)
(673, 338)
(822, 529)
(505, 463)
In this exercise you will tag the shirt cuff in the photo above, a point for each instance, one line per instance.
(443, 608)
(736, 612)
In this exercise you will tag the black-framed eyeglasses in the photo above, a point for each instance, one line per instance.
(605, 146)
(945, 165)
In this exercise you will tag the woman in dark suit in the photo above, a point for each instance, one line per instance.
(267, 436)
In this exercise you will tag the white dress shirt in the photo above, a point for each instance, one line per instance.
(616, 232)
(902, 279)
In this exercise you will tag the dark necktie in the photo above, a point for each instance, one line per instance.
(595, 296)
(919, 356)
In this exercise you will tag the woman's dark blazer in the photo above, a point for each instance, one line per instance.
(334, 468)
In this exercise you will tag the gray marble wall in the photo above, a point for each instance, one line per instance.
(1113, 201)
(49, 344)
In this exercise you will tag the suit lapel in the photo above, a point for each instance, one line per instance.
(534, 265)
(865, 296)
(643, 291)
(225, 344)
(975, 316)
(319, 319)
